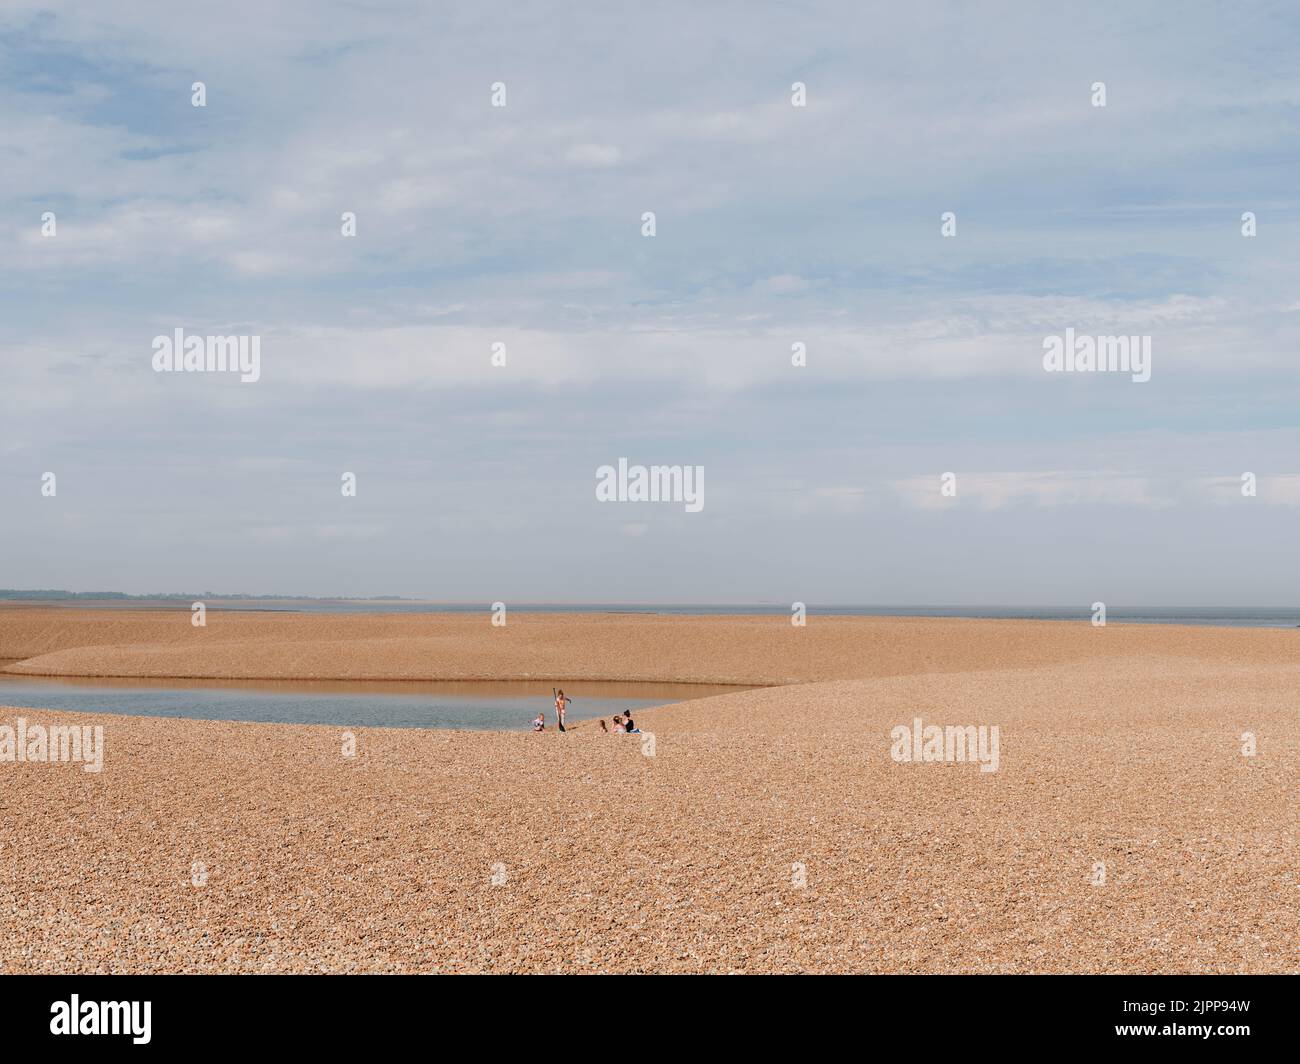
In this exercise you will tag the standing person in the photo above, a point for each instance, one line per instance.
(560, 704)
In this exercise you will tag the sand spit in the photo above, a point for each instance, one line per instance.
(750, 650)
(1124, 830)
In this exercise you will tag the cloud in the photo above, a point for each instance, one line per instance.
(781, 285)
(1278, 489)
(999, 491)
(520, 225)
(593, 155)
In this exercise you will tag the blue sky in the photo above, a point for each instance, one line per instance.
(775, 225)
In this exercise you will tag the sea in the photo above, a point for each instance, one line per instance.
(1214, 616)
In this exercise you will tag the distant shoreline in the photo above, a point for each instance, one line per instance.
(1207, 616)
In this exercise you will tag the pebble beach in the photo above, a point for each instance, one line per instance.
(1125, 830)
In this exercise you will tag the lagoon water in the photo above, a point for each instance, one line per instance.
(504, 706)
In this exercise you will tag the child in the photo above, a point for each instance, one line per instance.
(539, 724)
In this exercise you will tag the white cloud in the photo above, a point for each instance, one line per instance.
(593, 155)
(998, 491)
(783, 284)
(777, 224)
(1276, 489)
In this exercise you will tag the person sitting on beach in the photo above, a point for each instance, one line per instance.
(630, 727)
(603, 726)
(539, 724)
(618, 726)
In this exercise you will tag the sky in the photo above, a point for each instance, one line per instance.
(774, 225)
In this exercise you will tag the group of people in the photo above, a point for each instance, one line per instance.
(623, 722)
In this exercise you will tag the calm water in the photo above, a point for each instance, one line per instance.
(415, 704)
(1220, 616)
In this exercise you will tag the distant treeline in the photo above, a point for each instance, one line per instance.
(48, 593)
(53, 593)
